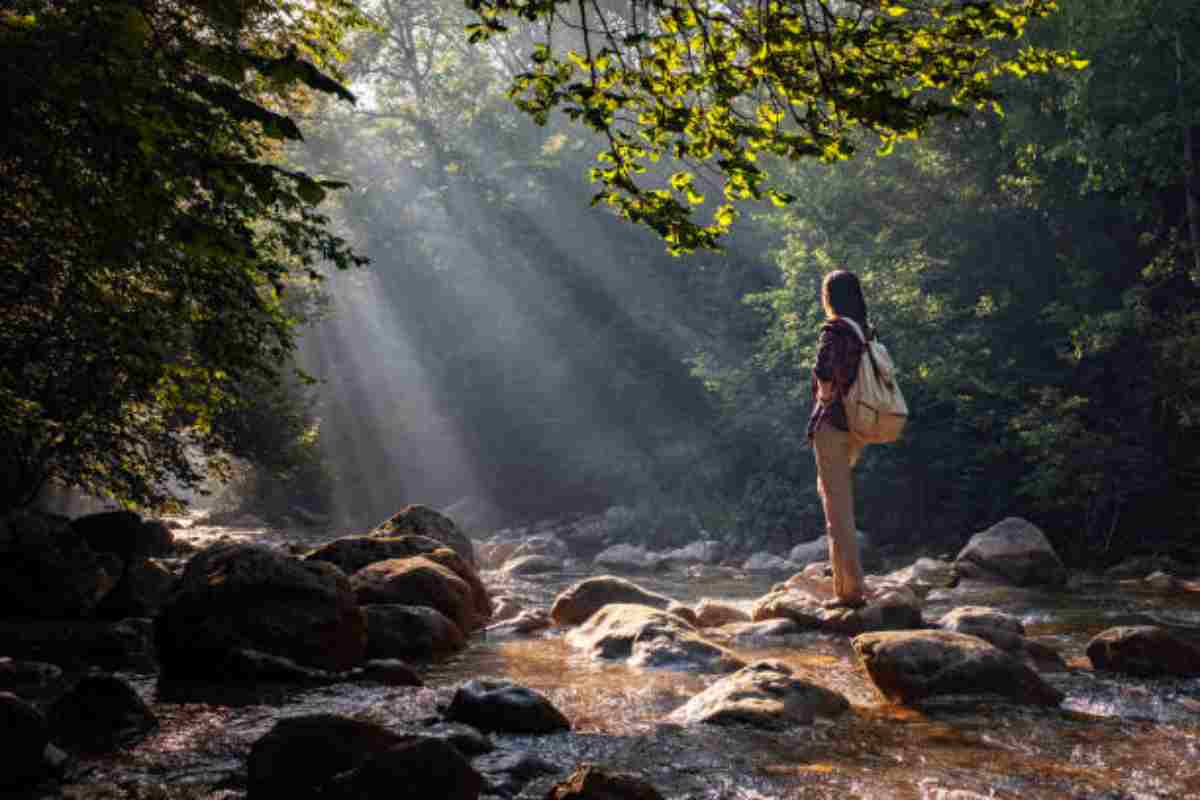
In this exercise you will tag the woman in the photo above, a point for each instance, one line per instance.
(839, 351)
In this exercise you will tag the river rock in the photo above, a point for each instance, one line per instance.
(911, 666)
(684, 612)
(125, 534)
(388, 672)
(507, 772)
(763, 695)
(715, 613)
(419, 767)
(469, 741)
(493, 553)
(299, 757)
(406, 631)
(627, 558)
(242, 596)
(418, 520)
(352, 553)
(417, 581)
(1144, 650)
(26, 735)
(125, 644)
(769, 563)
(47, 570)
(817, 550)
(533, 620)
(992, 625)
(705, 551)
(101, 713)
(889, 607)
(143, 588)
(650, 638)
(531, 565)
(768, 633)
(581, 600)
(545, 544)
(926, 573)
(506, 608)
(1143, 566)
(1015, 551)
(590, 782)
(25, 678)
(503, 706)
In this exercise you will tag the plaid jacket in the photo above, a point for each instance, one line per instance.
(838, 352)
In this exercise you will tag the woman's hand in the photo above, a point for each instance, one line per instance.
(825, 392)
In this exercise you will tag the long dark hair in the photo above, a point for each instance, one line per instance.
(842, 296)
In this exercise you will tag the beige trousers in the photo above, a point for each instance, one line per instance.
(837, 452)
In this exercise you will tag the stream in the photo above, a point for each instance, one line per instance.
(1113, 737)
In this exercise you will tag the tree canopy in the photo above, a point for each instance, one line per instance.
(717, 84)
(149, 229)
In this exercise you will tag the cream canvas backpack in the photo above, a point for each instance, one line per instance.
(875, 407)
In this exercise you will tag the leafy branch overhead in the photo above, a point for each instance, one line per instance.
(716, 84)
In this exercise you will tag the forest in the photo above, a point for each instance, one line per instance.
(346, 257)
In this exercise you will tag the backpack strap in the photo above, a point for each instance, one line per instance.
(858, 331)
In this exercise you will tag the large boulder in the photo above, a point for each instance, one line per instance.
(417, 581)
(763, 695)
(353, 553)
(911, 666)
(420, 520)
(26, 735)
(48, 571)
(1144, 650)
(240, 596)
(407, 631)
(581, 600)
(501, 705)
(1015, 551)
(299, 757)
(125, 534)
(650, 638)
(101, 713)
(590, 782)
(143, 588)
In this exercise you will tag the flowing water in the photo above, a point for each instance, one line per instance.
(1114, 737)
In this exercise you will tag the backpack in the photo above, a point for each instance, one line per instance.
(875, 407)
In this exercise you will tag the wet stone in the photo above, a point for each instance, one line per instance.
(300, 756)
(469, 741)
(650, 638)
(1144, 650)
(581, 600)
(503, 706)
(507, 772)
(421, 767)
(101, 713)
(389, 672)
(27, 677)
(762, 695)
(26, 735)
(591, 782)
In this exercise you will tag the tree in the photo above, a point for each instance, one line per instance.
(149, 230)
(717, 84)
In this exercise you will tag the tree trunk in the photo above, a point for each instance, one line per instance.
(1191, 181)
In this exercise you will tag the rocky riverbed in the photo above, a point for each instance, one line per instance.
(704, 677)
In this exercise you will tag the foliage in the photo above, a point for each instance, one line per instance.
(719, 84)
(148, 231)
